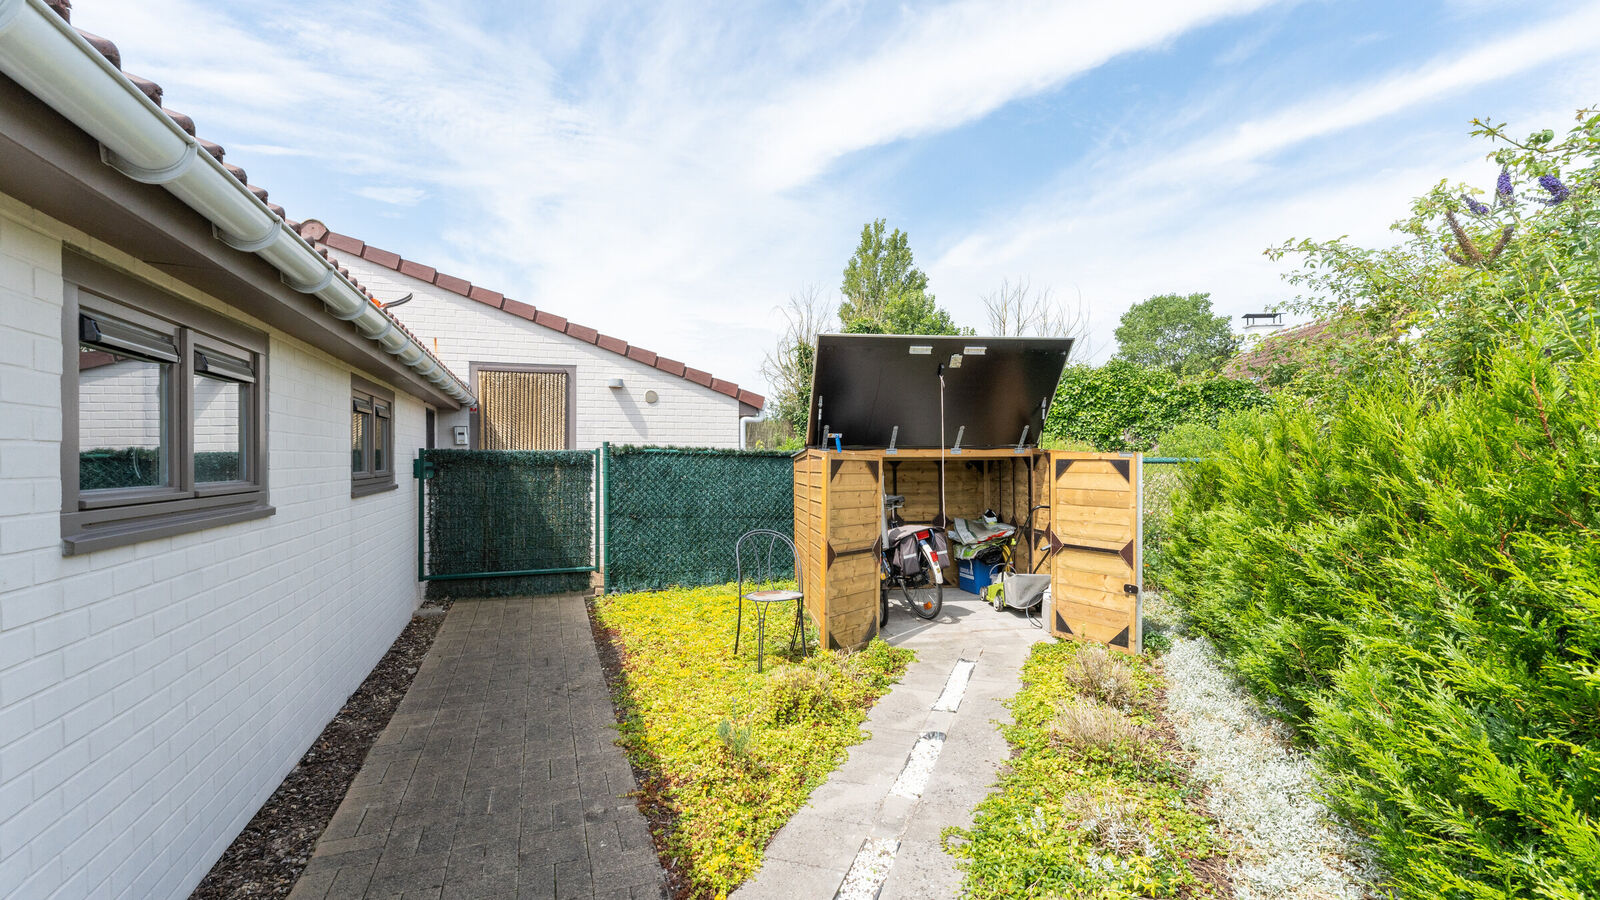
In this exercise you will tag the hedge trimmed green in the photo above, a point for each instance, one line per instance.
(1124, 406)
(1416, 577)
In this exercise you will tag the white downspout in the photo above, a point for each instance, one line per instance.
(744, 430)
(41, 52)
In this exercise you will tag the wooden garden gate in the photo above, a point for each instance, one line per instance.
(1094, 540)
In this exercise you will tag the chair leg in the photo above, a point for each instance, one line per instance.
(761, 635)
(799, 627)
(738, 623)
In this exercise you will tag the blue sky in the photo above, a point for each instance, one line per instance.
(671, 172)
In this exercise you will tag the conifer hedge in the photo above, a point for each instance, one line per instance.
(1415, 576)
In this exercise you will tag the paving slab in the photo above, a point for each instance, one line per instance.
(810, 855)
(498, 774)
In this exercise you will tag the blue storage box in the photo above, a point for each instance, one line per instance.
(973, 576)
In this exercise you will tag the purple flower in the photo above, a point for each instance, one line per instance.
(1558, 191)
(1474, 207)
(1502, 187)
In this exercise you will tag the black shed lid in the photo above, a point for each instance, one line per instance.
(867, 384)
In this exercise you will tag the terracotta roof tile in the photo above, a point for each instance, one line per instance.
(346, 244)
(148, 87)
(317, 232)
(551, 320)
(184, 122)
(453, 284)
(106, 48)
(484, 295)
(383, 258)
(414, 270)
(519, 309)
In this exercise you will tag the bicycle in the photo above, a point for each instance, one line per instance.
(922, 589)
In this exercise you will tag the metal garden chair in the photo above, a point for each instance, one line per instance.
(759, 564)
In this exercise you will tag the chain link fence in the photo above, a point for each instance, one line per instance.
(492, 515)
(672, 516)
(1163, 478)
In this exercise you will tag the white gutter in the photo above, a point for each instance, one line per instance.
(744, 430)
(42, 52)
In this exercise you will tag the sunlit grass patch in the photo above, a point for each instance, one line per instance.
(1089, 806)
(730, 754)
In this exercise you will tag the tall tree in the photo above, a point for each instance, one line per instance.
(1017, 309)
(788, 366)
(1176, 332)
(885, 292)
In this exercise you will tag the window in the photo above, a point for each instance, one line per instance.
(163, 426)
(523, 407)
(371, 438)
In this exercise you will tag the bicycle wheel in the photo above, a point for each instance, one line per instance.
(883, 606)
(925, 600)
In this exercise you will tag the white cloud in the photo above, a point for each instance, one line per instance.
(949, 65)
(661, 172)
(395, 196)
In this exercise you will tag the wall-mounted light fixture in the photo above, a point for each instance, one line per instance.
(614, 384)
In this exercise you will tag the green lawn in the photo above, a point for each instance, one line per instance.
(729, 753)
(1092, 804)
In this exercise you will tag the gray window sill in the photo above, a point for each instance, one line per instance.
(375, 486)
(148, 528)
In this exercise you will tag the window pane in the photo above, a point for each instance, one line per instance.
(220, 408)
(380, 442)
(360, 430)
(122, 420)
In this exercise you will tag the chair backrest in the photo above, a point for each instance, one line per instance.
(759, 562)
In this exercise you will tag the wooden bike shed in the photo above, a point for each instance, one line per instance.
(1086, 536)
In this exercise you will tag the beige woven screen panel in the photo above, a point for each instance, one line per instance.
(523, 410)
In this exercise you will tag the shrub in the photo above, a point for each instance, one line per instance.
(1087, 726)
(1069, 819)
(1415, 575)
(801, 694)
(1124, 406)
(1098, 675)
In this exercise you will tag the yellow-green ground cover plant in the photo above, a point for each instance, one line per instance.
(1094, 803)
(729, 754)
(1403, 554)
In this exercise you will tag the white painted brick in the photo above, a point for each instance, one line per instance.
(156, 693)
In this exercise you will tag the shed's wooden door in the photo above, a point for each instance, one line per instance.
(1096, 561)
(853, 515)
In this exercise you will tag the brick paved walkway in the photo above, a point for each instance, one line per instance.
(497, 776)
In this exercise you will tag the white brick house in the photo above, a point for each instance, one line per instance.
(622, 393)
(172, 640)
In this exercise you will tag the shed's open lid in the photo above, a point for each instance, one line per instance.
(866, 384)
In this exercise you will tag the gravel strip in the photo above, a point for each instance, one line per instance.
(267, 857)
(1262, 791)
(919, 766)
(869, 871)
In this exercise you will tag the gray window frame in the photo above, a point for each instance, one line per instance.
(474, 419)
(369, 482)
(96, 520)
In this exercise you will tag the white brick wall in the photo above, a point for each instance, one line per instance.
(467, 331)
(152, 696)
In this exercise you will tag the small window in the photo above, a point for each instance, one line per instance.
(163, 427)
(371, 438)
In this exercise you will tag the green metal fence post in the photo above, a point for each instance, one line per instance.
(603, 498)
